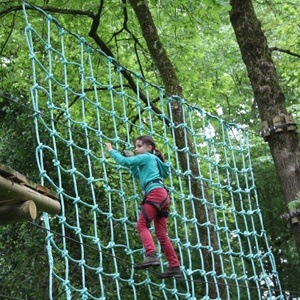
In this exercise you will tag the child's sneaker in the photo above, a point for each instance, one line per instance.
(151, 260)
(171, 272)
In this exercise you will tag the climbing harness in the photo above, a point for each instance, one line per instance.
(158, 206)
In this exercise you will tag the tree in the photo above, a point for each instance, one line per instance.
(270, 99)
(172, 86)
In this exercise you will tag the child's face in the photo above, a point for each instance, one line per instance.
(140, 147)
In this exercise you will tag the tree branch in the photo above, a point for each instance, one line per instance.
(49, 9)
(103, 46)
(135, 39)
(9, 34)
(285, 51)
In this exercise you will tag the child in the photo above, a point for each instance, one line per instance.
(149, 167)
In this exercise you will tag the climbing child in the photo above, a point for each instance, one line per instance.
(149, 167)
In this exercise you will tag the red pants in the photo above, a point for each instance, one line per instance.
(160, 226)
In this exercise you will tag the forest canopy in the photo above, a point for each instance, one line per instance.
(202, 56)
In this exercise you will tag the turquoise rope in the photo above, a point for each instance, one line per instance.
(75, 117)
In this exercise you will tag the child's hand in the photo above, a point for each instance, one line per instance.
(108, 146)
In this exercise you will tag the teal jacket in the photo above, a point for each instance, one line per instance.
(145, 167)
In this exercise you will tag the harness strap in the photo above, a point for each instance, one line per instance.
(158, 206)
(145, 216)
(154, 181)
(161, 214)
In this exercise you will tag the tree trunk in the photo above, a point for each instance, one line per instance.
(182, 137)
(278, 131)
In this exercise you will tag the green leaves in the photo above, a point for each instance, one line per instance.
(294, 204)
(202, 46)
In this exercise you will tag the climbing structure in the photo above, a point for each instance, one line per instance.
(81, 99)
(21, 199)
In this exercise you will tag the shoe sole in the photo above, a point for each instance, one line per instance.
(146, 266)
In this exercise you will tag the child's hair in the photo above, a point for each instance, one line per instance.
(148, 140)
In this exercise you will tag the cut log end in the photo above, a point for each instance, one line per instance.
(15, 213)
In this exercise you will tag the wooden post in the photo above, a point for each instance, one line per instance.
(14, 213)
(13, 190)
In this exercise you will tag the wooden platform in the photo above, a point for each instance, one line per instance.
(21, 199)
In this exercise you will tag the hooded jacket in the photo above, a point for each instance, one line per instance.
(145, 167)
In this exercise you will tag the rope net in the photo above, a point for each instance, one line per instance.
(81, 99)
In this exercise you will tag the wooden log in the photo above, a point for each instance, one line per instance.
(8, 172)
(21, 212)
(20, 192)
(9, 202)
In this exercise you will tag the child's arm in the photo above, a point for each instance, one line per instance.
(133, 161)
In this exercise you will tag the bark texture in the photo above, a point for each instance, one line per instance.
(217, 288)
(283, 141)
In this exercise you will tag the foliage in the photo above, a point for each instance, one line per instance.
(202, 46)
(23, 261)
(272, 206)
(294, 204)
